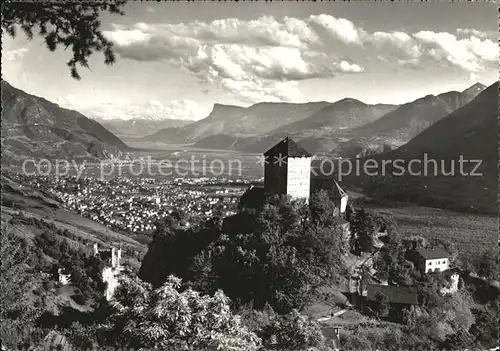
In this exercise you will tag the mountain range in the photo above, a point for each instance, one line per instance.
(238, 121)
(470, 133)
(404, 123)
(132, 129)
(33, 127)
(445, 127)
(346, 128)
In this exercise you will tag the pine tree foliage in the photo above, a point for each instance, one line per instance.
(74, 25)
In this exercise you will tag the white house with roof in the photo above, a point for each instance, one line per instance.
(62, 277)
(433, 260)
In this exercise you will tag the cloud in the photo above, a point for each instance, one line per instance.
(347, 67)
(14, 55)
(473, 77)
(396, 44)
(427, 47)
(238, 62)
(124, 38)
(252, 90)
(153, 109)
(477, 33)
(337, 28)
(258, 59)
(472, 54)
(410, 63)
(265, 58)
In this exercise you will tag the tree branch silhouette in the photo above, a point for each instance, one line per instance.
(67, 24)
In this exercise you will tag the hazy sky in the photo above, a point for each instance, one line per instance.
(175, 59)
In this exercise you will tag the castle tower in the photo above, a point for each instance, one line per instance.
(340, 198)
(116, 255)
(287, 170)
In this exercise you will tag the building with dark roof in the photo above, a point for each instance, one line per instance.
(433, 254)
(287, 170)
(287, 147)
(400, 298)
(287, 173)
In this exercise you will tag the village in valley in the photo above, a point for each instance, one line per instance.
(135, 204)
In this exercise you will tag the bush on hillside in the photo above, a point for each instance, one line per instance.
(364, 227)
(18, 316)
(170, 318)
(293, 332)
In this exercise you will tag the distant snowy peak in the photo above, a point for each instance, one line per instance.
(475, 89)
(133, 119)
(153, 111)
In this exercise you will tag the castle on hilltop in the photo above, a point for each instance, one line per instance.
(288, 173)
(112, 272)
(113, 255)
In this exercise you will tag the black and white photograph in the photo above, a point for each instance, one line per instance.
(249, 175)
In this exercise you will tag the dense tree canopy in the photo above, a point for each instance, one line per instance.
(364, 226)
(17, 315)
(170, 318)
(66, 24)
(485, 327)
(283, 255)
(293, 332)
(486, 265)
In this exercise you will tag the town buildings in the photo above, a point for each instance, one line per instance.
(134, 205)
